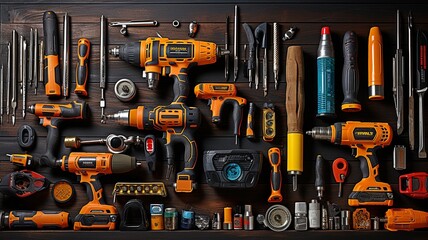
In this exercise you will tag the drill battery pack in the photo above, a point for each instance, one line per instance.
(237, 168)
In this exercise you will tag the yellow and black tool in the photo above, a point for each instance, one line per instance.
(52, 75)
(275, 175)
(21, 160)
(250, 121)
(21, 219)
(268, 122)
(82, 70)
(295, 105)
(364, 138)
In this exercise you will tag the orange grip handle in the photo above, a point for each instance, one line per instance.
(375, 65)
(83, 50)
(340, 169)
(275, 175)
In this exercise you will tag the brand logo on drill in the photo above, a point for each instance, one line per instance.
(179, 50)
(364, 133)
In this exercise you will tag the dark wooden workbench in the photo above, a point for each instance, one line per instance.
(308, 15)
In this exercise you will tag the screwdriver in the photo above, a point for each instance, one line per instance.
(319, 176)
(340, 171)
(51, 50)
(350, 73)
(83, 50)
(295, 106)
(375, 65)
(275, 175)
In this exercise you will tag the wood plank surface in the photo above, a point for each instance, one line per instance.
(308, 15)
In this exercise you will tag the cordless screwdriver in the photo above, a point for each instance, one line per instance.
(83, 50)
(51, 69)
(364, 138)
(350, 73)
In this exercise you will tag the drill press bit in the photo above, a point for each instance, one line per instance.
(8, 79)
(103, 70)
(41, 64)
(24, 78)
(235, 46)
(31, 58)
(275, 54)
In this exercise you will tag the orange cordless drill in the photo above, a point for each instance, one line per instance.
(51, 116)
(164, 57)
(89, 167)
(178, 122)
(219, 94)
(364, 138)
(21, 219)
(405, 219)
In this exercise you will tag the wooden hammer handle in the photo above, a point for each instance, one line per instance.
(295, 95)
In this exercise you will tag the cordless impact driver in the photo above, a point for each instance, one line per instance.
(51, 116)
(364, 138)
(178, 122)
(218, 95)
(164, 57)
(89, 167)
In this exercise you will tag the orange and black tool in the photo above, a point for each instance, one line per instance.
(89, 167)
(405, 219)
(375, 65)
(82, 71)
(275, 175)
(32, 220)
(250, 121)
(51, 116)
(52, 75)
(340, 171)
(21, 160)
(63, 192)
(350, 73)
(364, 138)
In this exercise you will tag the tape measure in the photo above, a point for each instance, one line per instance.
(63, 191)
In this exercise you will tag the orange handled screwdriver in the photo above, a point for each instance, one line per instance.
(51, 69)
(34, 219)
(83, 50)
(340, 171)
(376, 85)
(275, 175)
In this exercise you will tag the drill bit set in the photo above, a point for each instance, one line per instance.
(160, 57)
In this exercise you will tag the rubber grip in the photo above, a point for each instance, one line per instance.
(51, 59)
(52, 144)
(350, 73)
(369, 165)
(250, 119)
(319, 171)
(181, 86)
(274, 155)
(375, 65)
(82, 71)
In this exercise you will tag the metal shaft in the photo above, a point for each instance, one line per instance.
(35, 60)
(1, 94)
(275, 54)
(24, 79)
(8, 79)
(41, 64)
(235, 46)
(21, 63)
(14, 77)
(410, 71)
(256, 70)
(226, 47)
(398, 79)
(103, 70)
(422, 152)
(265, 73)
(31, 58)
(66, 57)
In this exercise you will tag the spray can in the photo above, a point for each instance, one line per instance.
(325, 63)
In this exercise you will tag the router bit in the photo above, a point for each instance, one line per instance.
(275, 54)
(103, 66)
(24, 78)
(8, 79)
(14, 77)
(235, 46)
(31, 58)
(35, 62)
(398, 79)
(66, 56)
(410, 81)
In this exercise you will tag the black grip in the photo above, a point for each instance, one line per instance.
(350, 73)
(181, 86)
(250, 120)
(96, 184)
(82, 67)
(130, 53)
(82, 74)
(52, 144)
(261, 33)
(237, 114)
(50, 33)
(78, 109)
(275, 175)
(319, 171)
(368, 163)
(252, 46)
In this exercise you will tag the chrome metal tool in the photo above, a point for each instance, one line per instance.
(35, 60)
(226, 47)
(410, 81)
(235, 46)
(133, 23)
(41, 63)
(103, 67)
(1, 94)
(66, 56)
(31, 58)
(8, 79)
(275, 54)
(398, 79)
(14, 99)
(421, 86)
(24, 79)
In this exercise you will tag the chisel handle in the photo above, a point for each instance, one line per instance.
(83, 50)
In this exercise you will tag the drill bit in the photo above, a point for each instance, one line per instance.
(35, 62)
(398, 79)
(9, 56)
(410, 81)
(275, 54)
(1, 94)
(14, 60)
(226, 46)
(235, 46)
(21, 63)
(31, 58)
(103, 70)
(24, 78)
(41, 64)
(66, 57)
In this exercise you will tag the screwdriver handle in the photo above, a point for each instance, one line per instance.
(295, 101)
(250, 121)
(340, 169)
(38, 220)
(350, 73)
(275, 175)
(375, 65)
(83, 50)
(319, 171)
(51, 50)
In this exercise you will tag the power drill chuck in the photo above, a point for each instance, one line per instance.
(320, 133)
(129, 53)
(121, 117)
(121, 163)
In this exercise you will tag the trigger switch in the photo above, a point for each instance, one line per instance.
(354, 152)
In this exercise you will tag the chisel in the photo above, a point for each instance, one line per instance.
(8, 79)
(421, 86)
(410, 81)
(295, 103)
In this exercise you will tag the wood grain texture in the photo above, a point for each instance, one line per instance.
(308, 15)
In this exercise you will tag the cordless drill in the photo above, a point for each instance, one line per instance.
(364, 138)
(164, 57)
(51, 116)
(219, 94)
(89, 167)
(178, 122)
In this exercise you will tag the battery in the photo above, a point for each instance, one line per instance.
(171, 219)
(187, 219)
(156, 216)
